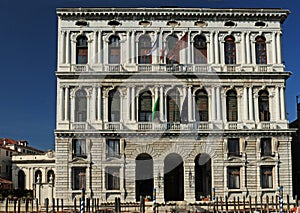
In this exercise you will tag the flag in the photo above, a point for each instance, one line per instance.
(180, 44)
(155, 110)
(154, 47)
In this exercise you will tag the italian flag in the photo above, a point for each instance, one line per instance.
(155, 112)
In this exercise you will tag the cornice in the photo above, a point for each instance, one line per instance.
(174, 13)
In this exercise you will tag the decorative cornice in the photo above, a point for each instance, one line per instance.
(178, 13)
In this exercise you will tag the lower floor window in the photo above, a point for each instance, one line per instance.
(78, 178)
(267, 176)
(112, 178)
(234, 177)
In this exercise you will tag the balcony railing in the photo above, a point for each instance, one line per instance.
(79, 68)
(80, 126)
(113, 126)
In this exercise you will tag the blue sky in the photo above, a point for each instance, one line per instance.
(28, 59)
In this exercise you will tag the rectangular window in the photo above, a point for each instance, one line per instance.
(79, 148)
(233, 147)
(78, 178)
(266, 147)
(234, 177)
(112, 178)
(113, 148)
(267, 177)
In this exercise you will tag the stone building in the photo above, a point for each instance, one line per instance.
(189, 102)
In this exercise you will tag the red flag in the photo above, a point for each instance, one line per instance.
(180, 44)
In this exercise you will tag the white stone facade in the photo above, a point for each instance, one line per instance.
(216, 82)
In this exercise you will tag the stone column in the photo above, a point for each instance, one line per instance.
(105, 106)
(161, 104)
(66, 107)
(274, 48)
(68, 48)
(155, 96)
(128, 104)
(244, 48)
(62, 47)
(88, 105)
(213, 103)
(133, 47)
(121, 108)
(239, 107)
(218, 103)
(277, 115)
(250, 104)
(278, 43)
(190, 47)
(245, 112)
(99, 104)
(95, 57)
(100, 48)
(73, 51)
(61, 104)
(93, 105)
(211, 49)
(72, 107)
(256, 110)
(217, 51)
(248, 48)
(133, 111)
(271, 105)
(190, 112)
(282, 103)
(253, 59)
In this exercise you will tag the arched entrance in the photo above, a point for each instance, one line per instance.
(21, 180)
(173, 178)
(143, 176)
(202, 176)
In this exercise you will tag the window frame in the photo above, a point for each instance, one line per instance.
(112, 182)
(114, 106)
(234, 177)
(145, 115)
(267, 175)
(113, 148)
(231, 106)
(202, 99)
(78, 183)
(82, 50)
(81, 106)
(114, 50)
(200, 49)
(81, 145)
(264, 106)
(230, 50)
(266, 147)
(260, 50)
(144, 46)
(233, 146)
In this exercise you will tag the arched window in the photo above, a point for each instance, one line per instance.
(230, 51)
(201, 105)
(263, 105)
(114, 106)
(114, 50)
(173, 103)
(82, 50)
(231, 104)
(173, 52)
(38, 176)
(21, 179)
(145, 106)
(260, 50)
(50, 176)
(144, 48)
(200, 50)
(80, 106)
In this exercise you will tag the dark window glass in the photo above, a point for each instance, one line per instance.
(233, 147)
(266, 146)
(78, 146)
(145, 106)
(78, 178)
(200, 50)
(231, 104)
(82, 50)
(114, 50)
(230, 52)
(80, 106)
(114, 106)
(113, 148)
(234, 177)
(144, 48)
(267, 177)
(260, 50)
(201, 105)
(112, 178)
(263, 106)
(173, 103)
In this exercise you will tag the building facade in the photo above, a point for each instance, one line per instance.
(189, 102)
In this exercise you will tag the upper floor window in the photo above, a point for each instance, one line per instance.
(260, 50)
(230, 51)
(263, 105)
(234, 177)
(112, 178)
(82, 50)
(144, 48)
(201, 105)
(200, 50)
(267, 176)
(266, 146)
(113, 148)
(78, 178)
(173, 52)
(114, 106)
(114, 50)
(78, 147)
(231, 104)
(145, 106)
(173, 103)
(80, 106)
(233, 147)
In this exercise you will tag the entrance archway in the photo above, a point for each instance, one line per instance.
(143, 176)
(173, 178)
(21, 180)
(202, 176)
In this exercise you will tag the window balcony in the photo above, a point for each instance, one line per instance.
(202, 125)
(79, 68)
(113, 126)
(80, 126)
(264, 125)
(232, 68)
